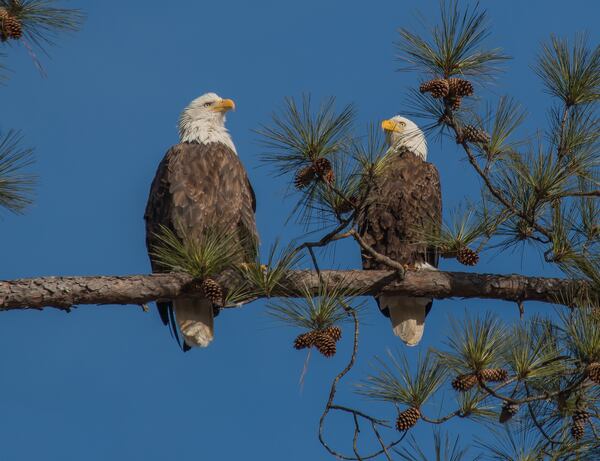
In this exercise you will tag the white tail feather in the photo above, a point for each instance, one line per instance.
(407, 316)
(196, 321)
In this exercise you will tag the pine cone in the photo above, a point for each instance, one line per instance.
(334, 332)
(463, 383)
(304, 340)
(330, 177)
(460, 87)
(581, 415)
(325, 344)
(494, 374)
(471, 133)
(304, 177)
(508, 411)
(467, 256)
(212, 291)
(454, 102)
(593, 372)
(438, 88)
(10, 26)
(579, 421)
(407, 419)
(322, 166)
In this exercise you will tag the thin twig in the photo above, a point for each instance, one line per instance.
(380, 440)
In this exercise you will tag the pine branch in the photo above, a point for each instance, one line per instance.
(66, 292)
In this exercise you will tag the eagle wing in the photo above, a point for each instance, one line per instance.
(406, 200)
(197, 186)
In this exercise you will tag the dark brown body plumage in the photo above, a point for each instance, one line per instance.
(198, 186)
(405, 201)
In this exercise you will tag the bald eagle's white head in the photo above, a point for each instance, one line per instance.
(203, 121)
(404, 133)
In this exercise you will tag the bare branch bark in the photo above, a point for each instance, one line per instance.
(66, 292)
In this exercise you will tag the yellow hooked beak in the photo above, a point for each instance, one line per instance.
(224, 105)
(391, 126)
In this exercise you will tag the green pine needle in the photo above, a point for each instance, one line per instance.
(471, 406)
(500, 123)
(213, 252)
(315, 311)
(266, 279)
(454, 47)
(465, 228)
(445, 449)
(42, 21)
(475, 344)
(582, 334)
(16, 187)
(571, 74)
(533, 350)
(402, 382)
(299, 134)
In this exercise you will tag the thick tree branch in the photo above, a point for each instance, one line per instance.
(65, 292)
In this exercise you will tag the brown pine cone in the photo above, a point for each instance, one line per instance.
(508, 411)
(463, 383)
(471, 133)
(212, 291)
(454, 102)
(494, 374)
(304, 177)
(579, 421)
(10, 26)
(593, 372)
(460, 87)
(330, 177)
(438, 88)
(304, 340)
(334, 332)
(467, 256)
(407, 419)
(325, 344)
(322, 166)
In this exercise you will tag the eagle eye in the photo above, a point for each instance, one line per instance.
(208, 104)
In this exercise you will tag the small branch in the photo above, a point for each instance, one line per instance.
(591, 193)
(441, 420)
(378, 256)
(65, 292)
(333, 389)
(380, 440)
(451, 122)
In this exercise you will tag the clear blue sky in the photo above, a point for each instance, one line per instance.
(108, 382)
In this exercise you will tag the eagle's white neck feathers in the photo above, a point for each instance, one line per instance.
(410, 137)
(199, 123)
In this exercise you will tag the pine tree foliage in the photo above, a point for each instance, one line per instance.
(214, 251)
(445, 449)
(41, 20)
(453, 47)
(16, 186)
(539, 191)
(401, 382)
(315, 311)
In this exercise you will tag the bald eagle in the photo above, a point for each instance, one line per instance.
(405, 200)
(200, 183)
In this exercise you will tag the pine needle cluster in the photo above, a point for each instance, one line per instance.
(41, 20)
(210, 253)
(315, 311)
(16, 186)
